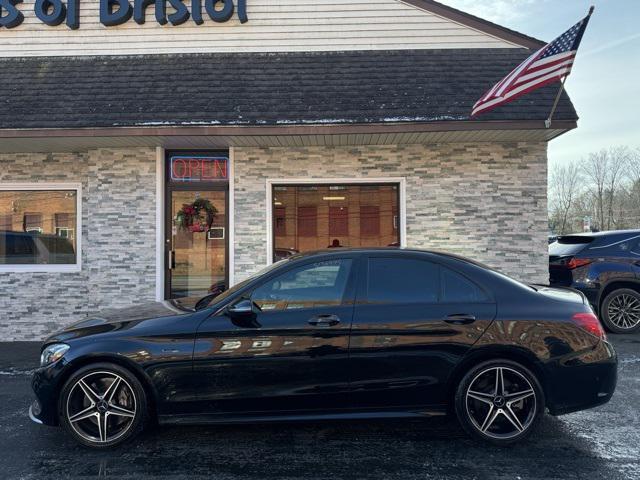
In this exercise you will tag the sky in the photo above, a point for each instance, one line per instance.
(605, 82)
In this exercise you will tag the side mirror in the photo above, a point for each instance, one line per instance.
(243, 315)
(243, 308)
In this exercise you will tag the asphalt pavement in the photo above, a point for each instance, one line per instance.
(598, 443)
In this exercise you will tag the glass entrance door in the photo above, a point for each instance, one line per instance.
(197, 237)
(197, 241)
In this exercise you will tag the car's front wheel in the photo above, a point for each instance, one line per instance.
(103, 405)
(499, 401)
(620, 311)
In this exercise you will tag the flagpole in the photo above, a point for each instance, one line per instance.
(547, 122)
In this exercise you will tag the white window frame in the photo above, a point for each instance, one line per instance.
(44, 186)
(275, 182)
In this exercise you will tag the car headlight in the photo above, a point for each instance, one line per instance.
(53, 353)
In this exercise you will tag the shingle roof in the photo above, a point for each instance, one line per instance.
(262, 89)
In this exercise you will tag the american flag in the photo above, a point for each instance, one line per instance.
(549, 64)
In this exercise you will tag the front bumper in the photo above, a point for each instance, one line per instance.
(45, 382)
(579, 382)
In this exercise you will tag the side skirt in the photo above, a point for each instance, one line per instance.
(287, 417)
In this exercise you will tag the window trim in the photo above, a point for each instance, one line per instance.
(50, 186)
(270, 183)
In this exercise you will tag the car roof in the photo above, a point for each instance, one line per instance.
(603, 234)
(396, 250)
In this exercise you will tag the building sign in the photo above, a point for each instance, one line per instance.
(117, 12)
(190, 168)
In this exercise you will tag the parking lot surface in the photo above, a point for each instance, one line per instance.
(599, 443)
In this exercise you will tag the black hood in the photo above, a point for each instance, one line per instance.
(113, 319)
(137, 312)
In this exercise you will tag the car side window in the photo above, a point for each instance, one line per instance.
(317, 284)
(457, 288)
(402, 280)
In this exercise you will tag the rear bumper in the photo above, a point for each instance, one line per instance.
(578, 382)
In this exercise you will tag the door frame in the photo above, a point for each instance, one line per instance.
(164, 219)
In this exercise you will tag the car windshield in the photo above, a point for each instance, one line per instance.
(206, 301)
(569, 245)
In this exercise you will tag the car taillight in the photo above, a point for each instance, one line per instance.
(577, 262)
(590, 323)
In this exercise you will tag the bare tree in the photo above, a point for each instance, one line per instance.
(633, 175)
(564, 188)
(605, 186)
(618, 161)
(595, 169)
(605, 170)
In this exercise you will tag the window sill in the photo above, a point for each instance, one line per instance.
(40, 268)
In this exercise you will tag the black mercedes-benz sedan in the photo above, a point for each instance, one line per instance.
(338, 334)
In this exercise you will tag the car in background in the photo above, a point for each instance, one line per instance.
(29, 248)
(605, 266)
(336, 334)
(282, 253)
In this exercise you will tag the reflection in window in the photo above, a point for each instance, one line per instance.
(312, 217)
(280, 221)
(33, 222)
(37, 227)
(369, 220)
(338, 221)
(315, 285)
(307, 221)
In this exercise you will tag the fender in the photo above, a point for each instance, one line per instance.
(605, 285)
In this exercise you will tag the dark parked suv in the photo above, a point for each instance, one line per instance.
(605, 266)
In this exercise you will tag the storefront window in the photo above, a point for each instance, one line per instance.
(312, 217)
(38, 227)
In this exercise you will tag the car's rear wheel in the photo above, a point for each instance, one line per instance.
(620, 311)
(499, 401)
(103, 405)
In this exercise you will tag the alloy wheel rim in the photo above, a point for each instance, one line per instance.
(101, 407)
(624, 311)
(501, 403)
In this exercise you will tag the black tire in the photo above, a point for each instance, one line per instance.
(620, 324)
(501, 431)
(127, 397)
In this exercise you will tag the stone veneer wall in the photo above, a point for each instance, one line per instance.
(486, 201)
(118, 240)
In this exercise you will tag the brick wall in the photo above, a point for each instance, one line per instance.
(486, 201)
(118, 240)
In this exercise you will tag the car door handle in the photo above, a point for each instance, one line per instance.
(324, 320)
(460, 319)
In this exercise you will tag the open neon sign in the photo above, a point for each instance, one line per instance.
(199, 169)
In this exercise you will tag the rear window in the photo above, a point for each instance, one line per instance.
(569, 245)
